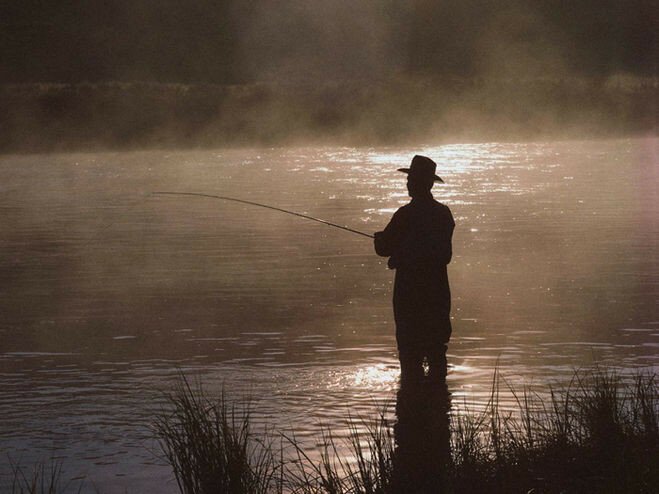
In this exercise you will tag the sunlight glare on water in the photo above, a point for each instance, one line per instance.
(376, 375)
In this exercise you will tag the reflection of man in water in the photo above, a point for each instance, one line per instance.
(423, 453)
(417, 241)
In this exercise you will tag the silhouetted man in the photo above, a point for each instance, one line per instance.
(417, 241)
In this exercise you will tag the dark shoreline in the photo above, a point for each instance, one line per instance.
(113, 116)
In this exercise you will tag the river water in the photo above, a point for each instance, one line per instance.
(107, 292)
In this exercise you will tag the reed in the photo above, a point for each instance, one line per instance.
(42, 478)
(210, 446)
(370, 449)
(599, 433)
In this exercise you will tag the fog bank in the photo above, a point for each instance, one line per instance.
(51, 117)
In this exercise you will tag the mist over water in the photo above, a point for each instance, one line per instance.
(107, 291)
(93, 75)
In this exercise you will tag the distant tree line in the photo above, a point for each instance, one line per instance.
(118, 115)
(238, 41)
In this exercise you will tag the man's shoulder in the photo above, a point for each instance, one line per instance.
(411, 209)
(440, 206)
(443, 211)
(403, 210)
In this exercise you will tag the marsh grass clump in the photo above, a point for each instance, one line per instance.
(361, 463)
(42, 478)
(599, 434)
(211, 448)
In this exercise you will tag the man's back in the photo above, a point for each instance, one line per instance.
(418, 236)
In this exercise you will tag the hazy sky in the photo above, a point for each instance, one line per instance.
(243, 40)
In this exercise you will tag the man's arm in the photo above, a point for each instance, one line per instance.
(382, 244)
(386, 241)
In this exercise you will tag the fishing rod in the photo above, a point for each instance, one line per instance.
(252, 203)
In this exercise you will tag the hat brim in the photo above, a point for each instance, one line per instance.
(435, 177)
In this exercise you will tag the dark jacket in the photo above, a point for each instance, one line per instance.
(417, 241)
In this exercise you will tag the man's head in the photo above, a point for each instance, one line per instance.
(418, 186)
(420, 176)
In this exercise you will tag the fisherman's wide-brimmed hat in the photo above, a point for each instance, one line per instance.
(422, 167)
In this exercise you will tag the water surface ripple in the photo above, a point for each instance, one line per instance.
(109, 293)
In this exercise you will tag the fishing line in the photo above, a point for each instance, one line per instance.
(252, 203)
